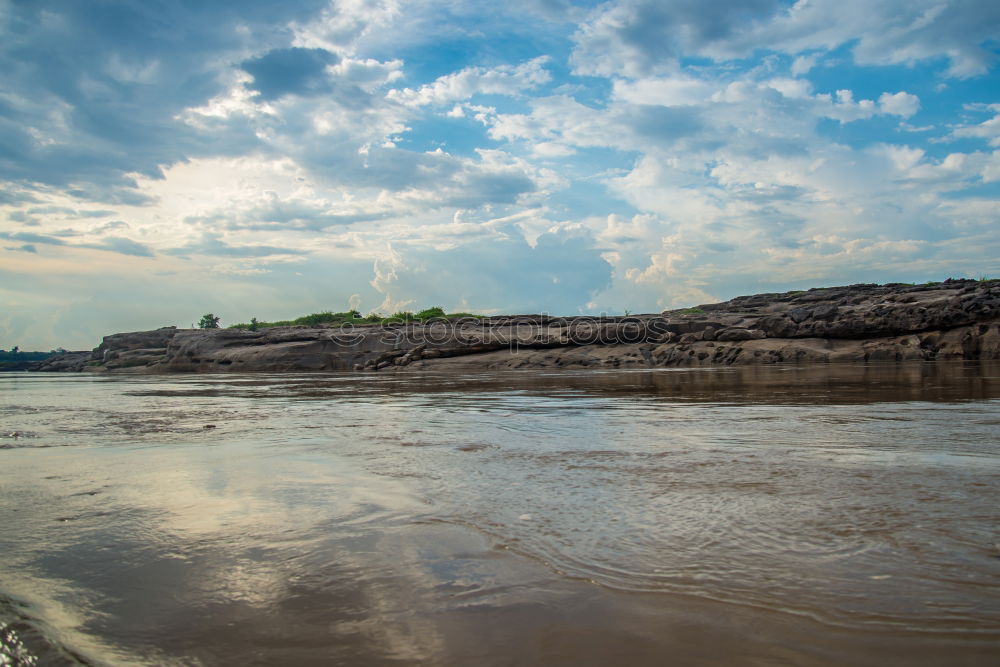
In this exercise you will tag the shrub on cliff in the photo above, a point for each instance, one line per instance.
(354, 317)
(431, 313)
(208, 321)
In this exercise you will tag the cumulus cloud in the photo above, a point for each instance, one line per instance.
(735, 174)
(462, 85)
(761, 116)
(899, 104)
(843, 107)
(630, 154)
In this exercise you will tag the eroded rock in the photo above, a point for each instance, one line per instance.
(956, 319)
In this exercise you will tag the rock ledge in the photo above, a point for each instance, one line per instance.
(952, 320)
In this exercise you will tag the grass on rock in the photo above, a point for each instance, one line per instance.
(355, 317)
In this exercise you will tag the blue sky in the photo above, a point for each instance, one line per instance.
(160, 160)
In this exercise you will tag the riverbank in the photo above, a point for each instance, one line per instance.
(952, 320)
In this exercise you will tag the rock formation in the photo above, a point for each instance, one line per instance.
(953, 320)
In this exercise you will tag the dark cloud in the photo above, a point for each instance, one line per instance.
(665, 123)
(315, 223)
(101, 86)
(490, 187)
(22, 217)
(117, 244)
(103, 96)
(283, 214)
(32, 238)
(13, 197)
(761, 146)
(293, 71)
(389, 168)
(48, 210)
(895, 31)
(64, 211)
(295, 215)
(639, 37)
(121, 245)
(642, 36)
(455, 181)
(213, 245)
(67, 233)
(114, 224)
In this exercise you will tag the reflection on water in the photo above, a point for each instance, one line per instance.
(807, 515)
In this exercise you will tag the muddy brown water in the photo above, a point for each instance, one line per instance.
(765, 516)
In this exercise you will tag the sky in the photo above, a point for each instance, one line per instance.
(162, 159)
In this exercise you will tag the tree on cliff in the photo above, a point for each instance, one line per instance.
(208, 321)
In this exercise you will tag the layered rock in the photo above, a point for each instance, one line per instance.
(67, 361)
(953, 320)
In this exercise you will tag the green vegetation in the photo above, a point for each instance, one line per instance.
(208, 321)
(354, 317)
(15, 354)
(690, 311)
(14, 359)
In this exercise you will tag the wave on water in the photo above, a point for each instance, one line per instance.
(24, 641)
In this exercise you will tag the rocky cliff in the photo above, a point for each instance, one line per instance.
(953, 320)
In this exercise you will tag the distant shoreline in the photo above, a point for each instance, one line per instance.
(950, 320)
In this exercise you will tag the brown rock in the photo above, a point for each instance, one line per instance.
(952, 320)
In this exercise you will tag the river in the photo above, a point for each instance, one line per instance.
(799, 515)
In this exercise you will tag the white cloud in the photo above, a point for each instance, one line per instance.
(989, 129)
(367, 73)
(462, 85)
(803, 64)
(899, 104)
(344, 23)
(903, 158)
(676, 90)
(843, 107)
(991, 168)
(237, 100)
(746, 189)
